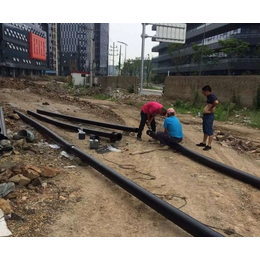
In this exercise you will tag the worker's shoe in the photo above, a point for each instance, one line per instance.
(201, 144)
(206, 148)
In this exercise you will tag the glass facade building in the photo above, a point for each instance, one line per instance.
(209, 34)
(74, 47)
(19, 54)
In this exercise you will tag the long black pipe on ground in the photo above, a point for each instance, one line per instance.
(44, 130)
(112, 136)
(228, 170)
(187, 223)
(81, 120)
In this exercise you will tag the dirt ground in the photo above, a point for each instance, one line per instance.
(81, 202)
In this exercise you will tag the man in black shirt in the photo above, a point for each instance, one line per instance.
(208, 117)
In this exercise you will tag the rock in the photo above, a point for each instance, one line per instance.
(37, 182)
(15, 152)
(17, 169)
(12, 195)
(19, 143)
(5, 176)
(62, 198)
(15, 116)
(244, 146)
(31, 187)
(233, 142)
(27, 147)
(15, 216)
(31, 172)
(230, 137)
(2, 170)
(223, 143)
(6, 188)
(20, 180)
(5, 206)
(220, 138)
(48, 172)
(5, 143)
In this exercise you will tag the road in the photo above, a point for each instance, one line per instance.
(151, 92)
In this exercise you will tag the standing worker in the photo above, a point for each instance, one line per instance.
(148, 112)
(208, 118)
(172, 130)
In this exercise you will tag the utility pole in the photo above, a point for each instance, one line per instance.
(125, 50)
(114, 48)
(142, 58)
(119, 64)
(91, 56)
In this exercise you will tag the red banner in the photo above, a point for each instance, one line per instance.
(37, 47)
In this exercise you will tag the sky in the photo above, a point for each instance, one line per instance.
(125, 18)
(130, 33)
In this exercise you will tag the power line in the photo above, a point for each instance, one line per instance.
(114, 48)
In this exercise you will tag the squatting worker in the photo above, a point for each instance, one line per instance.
(172, 130)
(208, 118)
(148, 113)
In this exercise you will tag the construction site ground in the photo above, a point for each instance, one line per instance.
(81, 202)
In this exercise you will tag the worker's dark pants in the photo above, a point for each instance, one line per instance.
(164, 138)
(143, 122)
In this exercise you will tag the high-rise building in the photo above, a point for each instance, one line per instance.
(101, 33)
(24, 48)
(209, 34)
(74, 44)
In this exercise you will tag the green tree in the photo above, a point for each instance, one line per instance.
(132, 67)
(178, 54)
(148, 66)
(233, 48)
(204, 57)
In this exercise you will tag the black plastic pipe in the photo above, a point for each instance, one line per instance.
(44, 130)
(226, 169)
(187, 223)
(112, 136)
(81, 120)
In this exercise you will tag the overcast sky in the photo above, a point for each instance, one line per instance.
(130, 33)
(125, 18)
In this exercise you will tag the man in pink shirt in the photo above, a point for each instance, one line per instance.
(148, 113)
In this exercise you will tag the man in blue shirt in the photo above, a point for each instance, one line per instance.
(172, 130)
(208, 118)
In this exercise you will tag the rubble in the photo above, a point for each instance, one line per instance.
(228, 140)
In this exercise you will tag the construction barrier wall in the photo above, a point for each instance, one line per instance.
(228, 89)
(123, 82)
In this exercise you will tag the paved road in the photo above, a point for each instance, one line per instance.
(151, 92)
